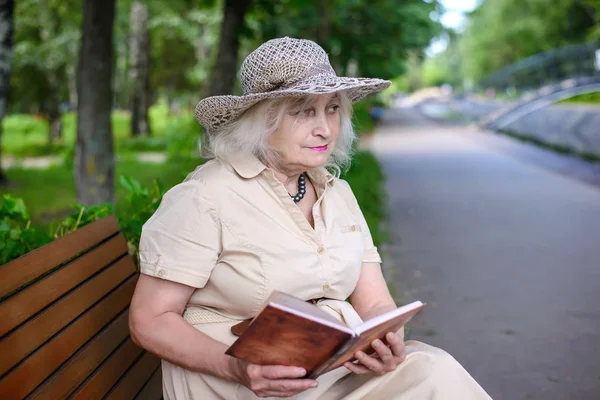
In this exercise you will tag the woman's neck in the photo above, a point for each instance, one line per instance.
(288, 179)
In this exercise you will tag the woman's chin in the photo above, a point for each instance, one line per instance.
(318, 159)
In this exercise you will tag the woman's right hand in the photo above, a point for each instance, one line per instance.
(271, 380)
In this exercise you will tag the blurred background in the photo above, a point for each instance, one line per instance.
(97, 100)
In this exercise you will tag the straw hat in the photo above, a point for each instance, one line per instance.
(282, 67)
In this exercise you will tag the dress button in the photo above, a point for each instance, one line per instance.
(321, 250)
(160, 273)
(326, 286)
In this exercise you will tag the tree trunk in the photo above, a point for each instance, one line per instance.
(52, 109)
(139, 69)
(7, 31)
(94, 154)
(223, 75)
(72, 84)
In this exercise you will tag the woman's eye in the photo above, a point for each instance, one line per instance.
(334, 108)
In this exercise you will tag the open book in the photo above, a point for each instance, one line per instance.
(289, 331)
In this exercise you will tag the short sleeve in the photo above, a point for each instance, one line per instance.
(181, 242)
(370, 254)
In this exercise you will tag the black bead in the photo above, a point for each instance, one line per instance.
(301, 189)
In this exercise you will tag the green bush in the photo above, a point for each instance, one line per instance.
(367, 181)
(18, 237)
(362, 120)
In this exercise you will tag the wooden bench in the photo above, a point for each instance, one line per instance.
(66, 334)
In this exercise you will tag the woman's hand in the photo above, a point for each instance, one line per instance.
(386, 359)
(271, 380)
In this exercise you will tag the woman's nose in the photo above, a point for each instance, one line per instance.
(322, 127)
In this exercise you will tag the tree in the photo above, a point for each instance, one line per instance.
(367, 38)
(6, 45)
(139, 69)
(502, 32)
(94, 153)
(222, 80)
(47, 41)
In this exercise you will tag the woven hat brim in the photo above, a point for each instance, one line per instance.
(216, 111)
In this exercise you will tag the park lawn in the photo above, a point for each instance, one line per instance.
(50, 193)
(26, 135)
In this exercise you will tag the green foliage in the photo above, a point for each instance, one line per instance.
(140, 203)
(27, 135)
(18, 237)
(362, 120)
(367, 181)
(82, 216)
(501, 32)
(362, 37)
(588, 98)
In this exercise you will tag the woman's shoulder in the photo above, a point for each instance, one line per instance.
(342, 187)
(206, 180)
(212, 172)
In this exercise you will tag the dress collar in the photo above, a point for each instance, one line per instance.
(248, 166)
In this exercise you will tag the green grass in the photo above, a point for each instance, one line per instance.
(50, 193)
(26, 135)
(588, 98)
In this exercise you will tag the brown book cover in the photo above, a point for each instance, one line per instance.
(289, 331)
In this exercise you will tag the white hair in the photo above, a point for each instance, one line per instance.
(251, 131)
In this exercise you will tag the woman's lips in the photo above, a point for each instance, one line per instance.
(319, 148)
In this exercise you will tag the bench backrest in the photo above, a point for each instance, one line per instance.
(64, 321)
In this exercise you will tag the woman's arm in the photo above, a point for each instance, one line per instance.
(156, 324)
(371, 296)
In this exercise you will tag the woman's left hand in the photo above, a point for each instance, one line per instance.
(386, 359)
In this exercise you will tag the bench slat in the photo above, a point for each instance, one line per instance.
(75, 371)
(24, 269)
(135, 379)
(33, 370)
(29, 337)
(109, 372)
(20, 307)
(153, 388)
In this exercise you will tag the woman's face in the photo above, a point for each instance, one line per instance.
(306, 136)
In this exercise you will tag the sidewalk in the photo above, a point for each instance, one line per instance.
(505, 252)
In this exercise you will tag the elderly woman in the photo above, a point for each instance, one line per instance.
(265, 213)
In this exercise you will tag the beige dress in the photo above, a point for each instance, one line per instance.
(232, 231)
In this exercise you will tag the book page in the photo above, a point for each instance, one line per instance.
(380, 319)
(305, 309)
(377, 328)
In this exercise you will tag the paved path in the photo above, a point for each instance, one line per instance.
(505, 252)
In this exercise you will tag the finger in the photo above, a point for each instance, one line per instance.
(356, 368)
(270, 393)
(384, 352)
(397, 345)
(281, 372)
(291, 385)
(369, 362)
